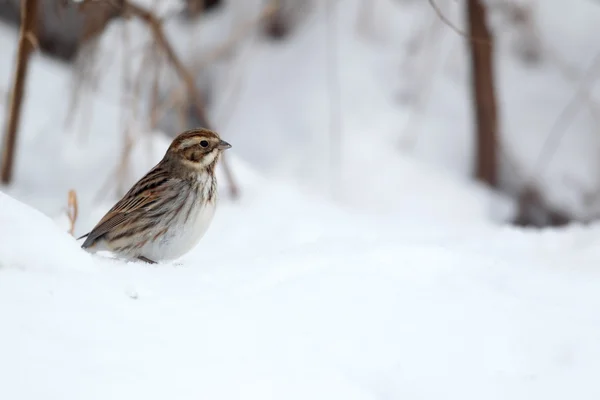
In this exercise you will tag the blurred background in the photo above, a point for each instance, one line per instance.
(430, 110)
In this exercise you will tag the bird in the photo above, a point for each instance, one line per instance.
(166, 213)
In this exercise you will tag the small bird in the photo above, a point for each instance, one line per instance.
(166, 213)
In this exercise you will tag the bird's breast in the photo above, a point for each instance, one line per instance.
(184, 234)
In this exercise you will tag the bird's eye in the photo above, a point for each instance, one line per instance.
(204, 143)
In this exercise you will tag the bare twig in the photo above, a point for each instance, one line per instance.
(452, 26)
(551, 144)
(29, 11)
(552, 141)
(72, 210)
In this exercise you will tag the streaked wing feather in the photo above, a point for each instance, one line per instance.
(139, 197)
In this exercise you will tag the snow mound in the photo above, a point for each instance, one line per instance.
(31, 240)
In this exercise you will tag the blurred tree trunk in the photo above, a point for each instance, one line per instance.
(27, 38)
(483, 92)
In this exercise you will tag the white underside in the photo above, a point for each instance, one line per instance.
(181, 237)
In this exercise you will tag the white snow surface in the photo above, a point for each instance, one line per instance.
(397, 284)
(278, 303)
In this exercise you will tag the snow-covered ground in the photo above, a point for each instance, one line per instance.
(398, 284)
(288, 298)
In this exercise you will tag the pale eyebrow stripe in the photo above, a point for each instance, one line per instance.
(189, 142)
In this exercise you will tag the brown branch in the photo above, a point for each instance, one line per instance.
(27, 44)
(483, 94)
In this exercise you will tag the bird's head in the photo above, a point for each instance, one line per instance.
(198, 149)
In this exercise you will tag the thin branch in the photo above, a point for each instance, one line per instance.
(552, 141)
(483, 94)
(452, 26)
(29, 11)
(528, 195)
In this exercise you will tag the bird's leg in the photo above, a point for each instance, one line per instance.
(145, 259)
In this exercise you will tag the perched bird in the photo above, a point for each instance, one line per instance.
(167, 212)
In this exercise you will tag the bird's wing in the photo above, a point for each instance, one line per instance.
(119, 214)
(139, 199)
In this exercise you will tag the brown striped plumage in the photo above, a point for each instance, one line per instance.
(168, 210)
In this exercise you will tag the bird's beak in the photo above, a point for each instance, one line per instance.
(223, 145)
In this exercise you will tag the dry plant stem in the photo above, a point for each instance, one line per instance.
(161, 40)
(72, 210)
(483, 93)
(29, 11)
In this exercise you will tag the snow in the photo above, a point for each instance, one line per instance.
(388, 276)
(319, 311)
